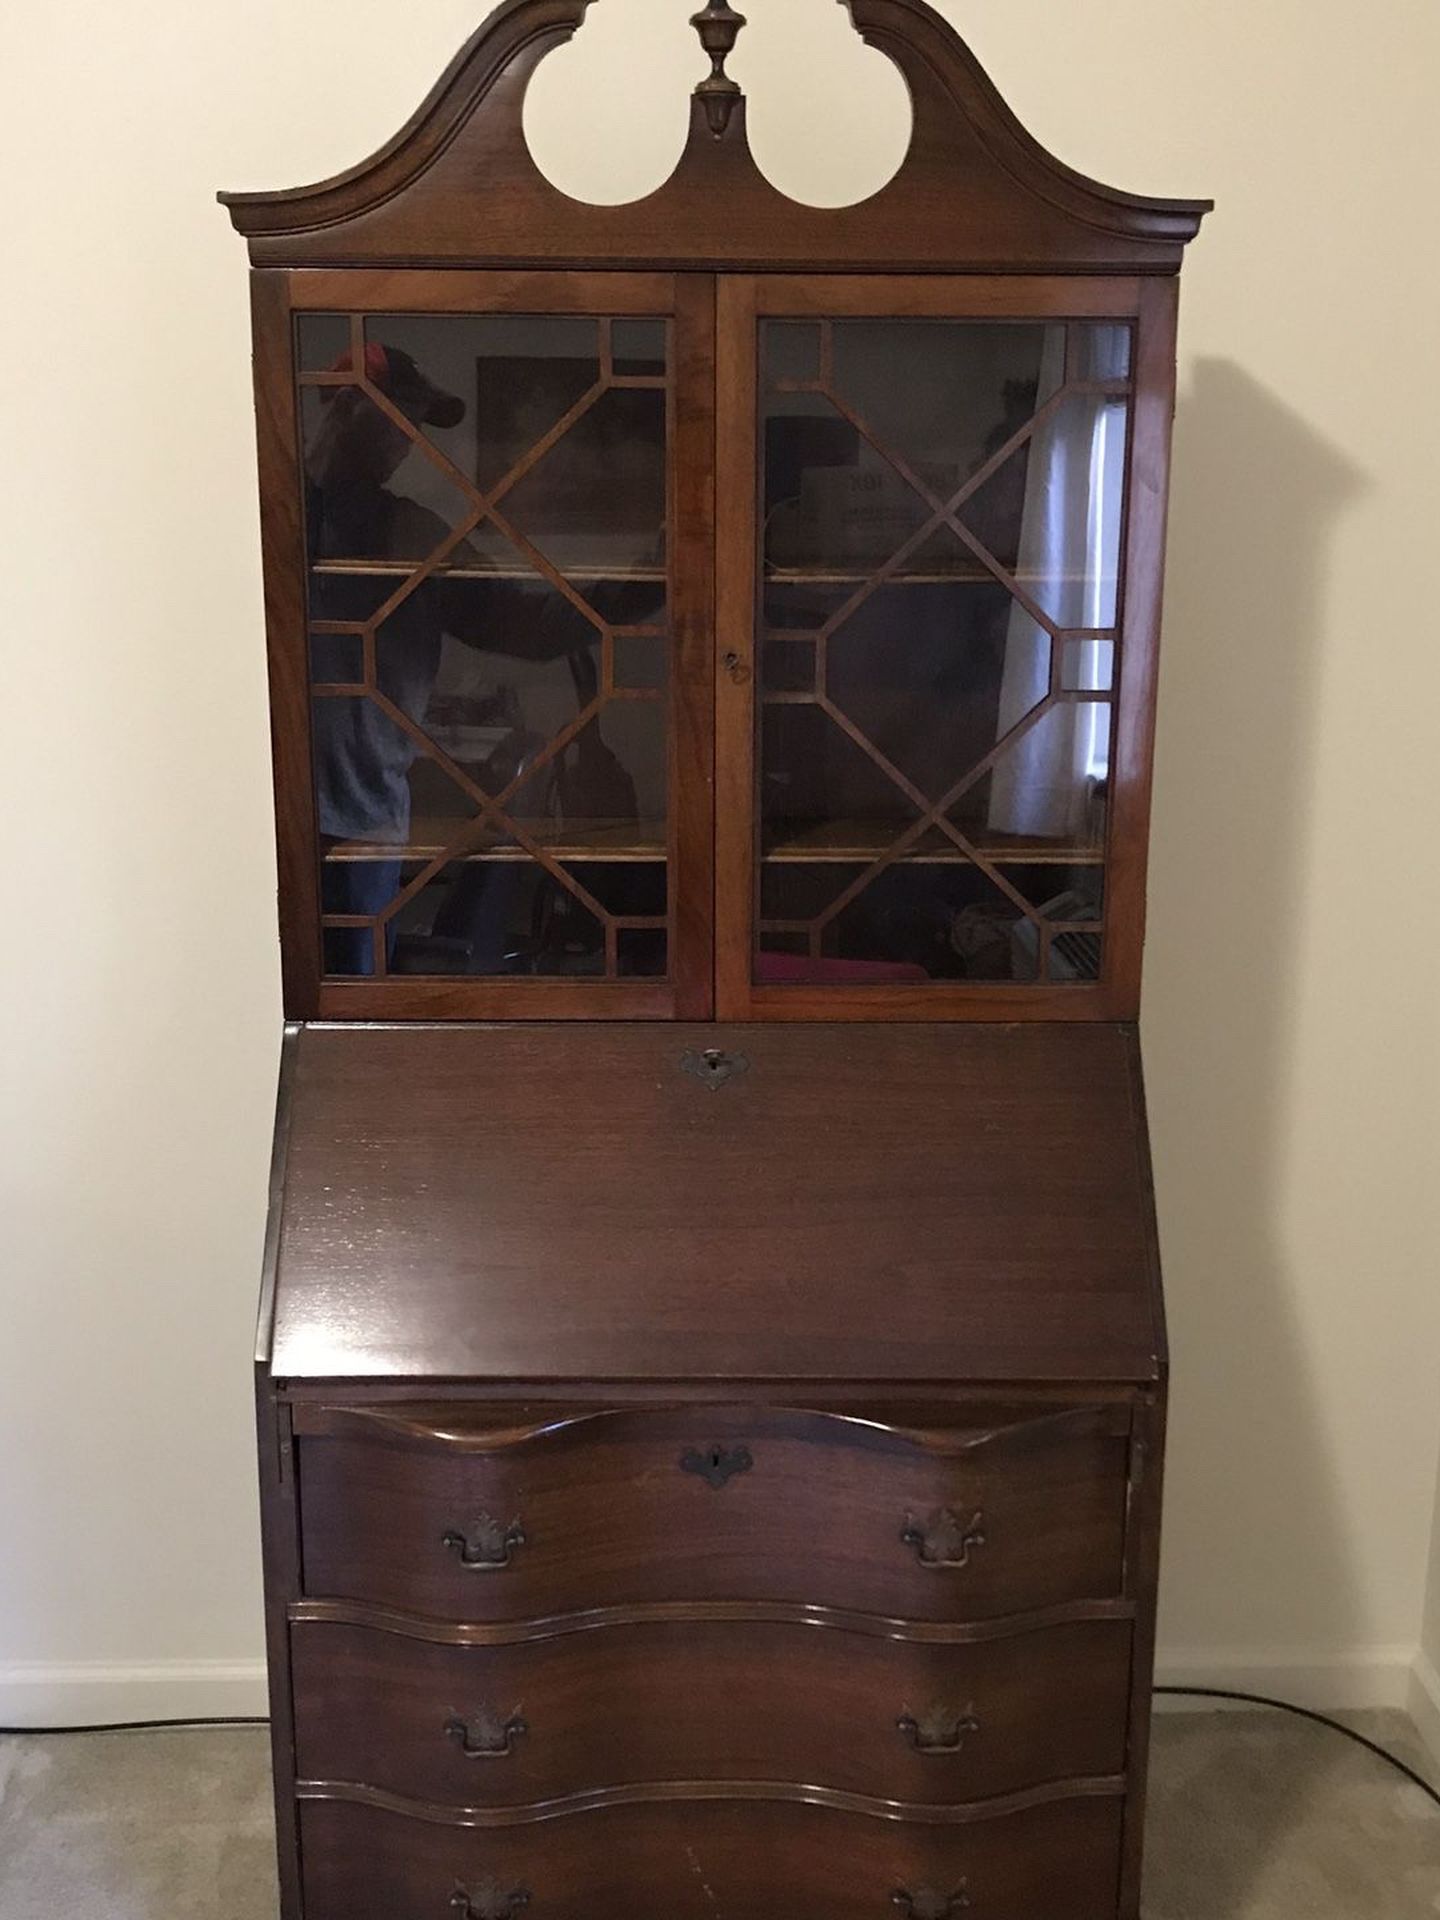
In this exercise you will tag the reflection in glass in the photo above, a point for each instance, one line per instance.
(595, 501)
(502, 740)
(1087, 666)
(792, 351)
(488, 917)
(1051, 514)
(638, 348)
(941, 535)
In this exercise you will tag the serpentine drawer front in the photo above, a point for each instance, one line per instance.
(441, 1512)
(543, 1714)
(696, 1860)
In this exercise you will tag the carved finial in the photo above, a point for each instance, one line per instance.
(719, 28)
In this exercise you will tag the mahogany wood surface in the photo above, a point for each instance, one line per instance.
(692, 1861)
(688, 301)
(958, 1203)
(458, 183)
(800, 1378)
(742, 301)
(613, 1511)
(698, 1700)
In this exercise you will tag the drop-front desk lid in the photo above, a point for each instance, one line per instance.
(603, 1202)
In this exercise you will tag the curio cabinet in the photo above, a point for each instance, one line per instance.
(711, 1374)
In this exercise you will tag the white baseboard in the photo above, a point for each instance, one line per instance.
(84, 1693)
(1424, 1702)
(1320, 1678)
(33, 1694)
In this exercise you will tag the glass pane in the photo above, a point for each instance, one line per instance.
(641, 952)
(638, 348)
(792, 351)
(941, 538)
(322, 341)
(594, 503)
(912, 924)
(922, 671)
(491, 788)
(485, 387)
(1047, 785)
(642, 661)
(1101, 352)
(485, 917)
(1052, 513)
(1087, 666)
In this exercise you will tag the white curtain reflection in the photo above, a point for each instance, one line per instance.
(1045, 785)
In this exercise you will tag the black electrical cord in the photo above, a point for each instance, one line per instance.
(139, 1726)
(1319, 1719)
(1193, 1693)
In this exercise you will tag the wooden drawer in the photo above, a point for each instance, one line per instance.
(761, 1860)
(901, 1720)
(442, 1512)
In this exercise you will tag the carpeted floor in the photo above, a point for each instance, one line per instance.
(1254, 1817)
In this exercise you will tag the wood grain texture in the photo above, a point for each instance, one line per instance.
(673, 1701)
(605, 1514)
(282, 539)
(691, 519)
(959, 1203)
(280, 1558)
(1142, 586)
(1147, 1477)
(693, 1861)
(725, 1364)
(688, 304)
(458, 184)
(744, 1613)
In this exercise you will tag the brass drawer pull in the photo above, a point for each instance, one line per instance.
(490, 1902)
(938, 1731)
(924, 1904)
(490, 1545)
(943, 1541)
(716, 1465)
(487, 1736)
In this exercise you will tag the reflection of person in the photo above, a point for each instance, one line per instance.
(362, 759)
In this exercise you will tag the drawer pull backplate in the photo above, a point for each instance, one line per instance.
(944, 1541)
(488, 1544)
(924, 1904)
(487, 1736)
(938, 1731)
(490, 1902)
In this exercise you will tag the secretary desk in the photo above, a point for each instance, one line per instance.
(711, 1370)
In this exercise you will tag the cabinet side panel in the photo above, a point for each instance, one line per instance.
(282, 541)
(279, 1529)
(1142, 1579)
(1144, 578)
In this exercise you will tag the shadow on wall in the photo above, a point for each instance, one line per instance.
(1257, 1566)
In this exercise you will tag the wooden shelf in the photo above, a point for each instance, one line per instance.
(653, 574)
(866, 840)
(574, 840)
(837, 841)
(976, 576)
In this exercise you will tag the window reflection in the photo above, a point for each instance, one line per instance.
(941, 535)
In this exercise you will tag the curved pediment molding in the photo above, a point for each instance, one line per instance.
(458, 185)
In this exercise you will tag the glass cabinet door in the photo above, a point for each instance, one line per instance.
(490, 607)
(938, 543)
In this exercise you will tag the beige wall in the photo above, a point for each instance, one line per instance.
(1424, 1700)
(1290, 1022)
